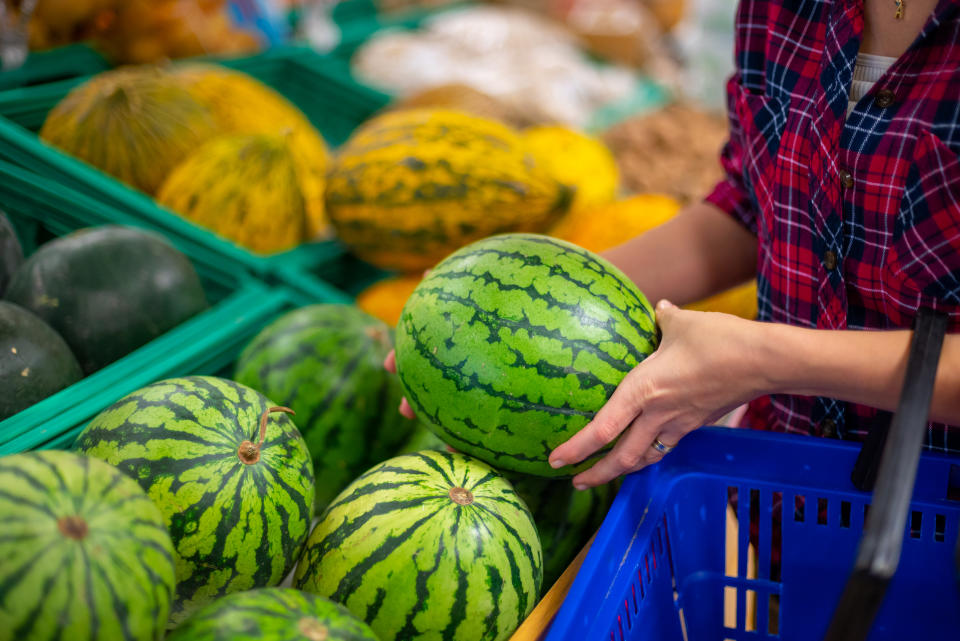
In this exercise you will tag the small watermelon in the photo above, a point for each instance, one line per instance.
(11, 253)
(84, 553)
(232, 479)
(566, 518)
(432, 545)
(511, 345)
(108, 290)
(273, 614)
(35, 362)
(326, 363)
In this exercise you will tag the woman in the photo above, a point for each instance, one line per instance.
(842, 197)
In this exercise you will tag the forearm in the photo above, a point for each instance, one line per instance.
(865, 367)
(698, 253)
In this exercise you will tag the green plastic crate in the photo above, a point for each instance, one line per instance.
(40, 208)
(56, 64)
(319, 86)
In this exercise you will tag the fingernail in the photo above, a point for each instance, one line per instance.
(557, 463)
(579, 486)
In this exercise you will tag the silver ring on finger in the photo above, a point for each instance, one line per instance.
(661, 447)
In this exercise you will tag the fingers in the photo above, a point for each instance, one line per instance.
(607, 425)
(406, 410)
(632, 452)
(390, 362)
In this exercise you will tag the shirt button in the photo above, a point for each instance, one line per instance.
(846, 178)
(884, 98)
(829, 260)
(828, 427)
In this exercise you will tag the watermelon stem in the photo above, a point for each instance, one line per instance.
(249, 452)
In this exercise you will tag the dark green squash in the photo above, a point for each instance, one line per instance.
(11, 254)
(108, 290)
(35, 362)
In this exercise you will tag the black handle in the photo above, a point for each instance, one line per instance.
(879, 550)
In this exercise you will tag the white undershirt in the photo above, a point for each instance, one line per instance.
(867, 70)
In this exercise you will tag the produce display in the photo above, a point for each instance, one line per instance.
(510, 345)
(228, 470)
(478, 198)
(84, 553)
(326, 363)
(273, 614)
(108, 290)
(138, 31)
(215, 145)
(35, 362)
(11, 253)
(430, 545)
(411, 186)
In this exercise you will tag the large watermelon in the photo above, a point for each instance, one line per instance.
(108, 290)
(84, 553)
(233, 481)
(35, 362)
(511, 345)
(273, 614)
(326, 363)
(566, 518)
(428, 546)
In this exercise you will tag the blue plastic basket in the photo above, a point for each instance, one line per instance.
(657, 568)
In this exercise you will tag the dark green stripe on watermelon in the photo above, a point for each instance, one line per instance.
(511, 345)
(326, 363)
(108, 290)
(84, 553)
(235, 525)
(35, 362)
(273, 614)
(428, 545)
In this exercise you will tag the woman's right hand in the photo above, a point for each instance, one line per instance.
(390, 364)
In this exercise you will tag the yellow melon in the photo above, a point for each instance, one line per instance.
(246, 188)
(133, 123)
(385, 299)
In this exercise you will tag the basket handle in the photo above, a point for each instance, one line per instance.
(879, 550)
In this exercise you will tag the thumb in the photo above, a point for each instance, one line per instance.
(665, 312)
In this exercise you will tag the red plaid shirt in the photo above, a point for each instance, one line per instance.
(858, 217)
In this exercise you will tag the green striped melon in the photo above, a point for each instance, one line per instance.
(432, 546)
(84, 553)
(512, 344)
(273, 614)
(233, 481)
(566, 518)
(326, 363)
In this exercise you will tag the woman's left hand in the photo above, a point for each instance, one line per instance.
(707, 365)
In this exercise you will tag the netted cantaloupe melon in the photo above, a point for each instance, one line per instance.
(601, 228)
(242, 104)
(578, 160)
(244, 187)
(412, 186)
(385, 298)
(133, 123)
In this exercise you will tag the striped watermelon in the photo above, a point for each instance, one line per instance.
(565, 518)
(84, 553)
(273, 614)
(432, 545)
(511, 345)
(326, 363)
(234, 482)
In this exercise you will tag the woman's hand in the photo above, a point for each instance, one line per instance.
(390, 364)
(706, 366)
